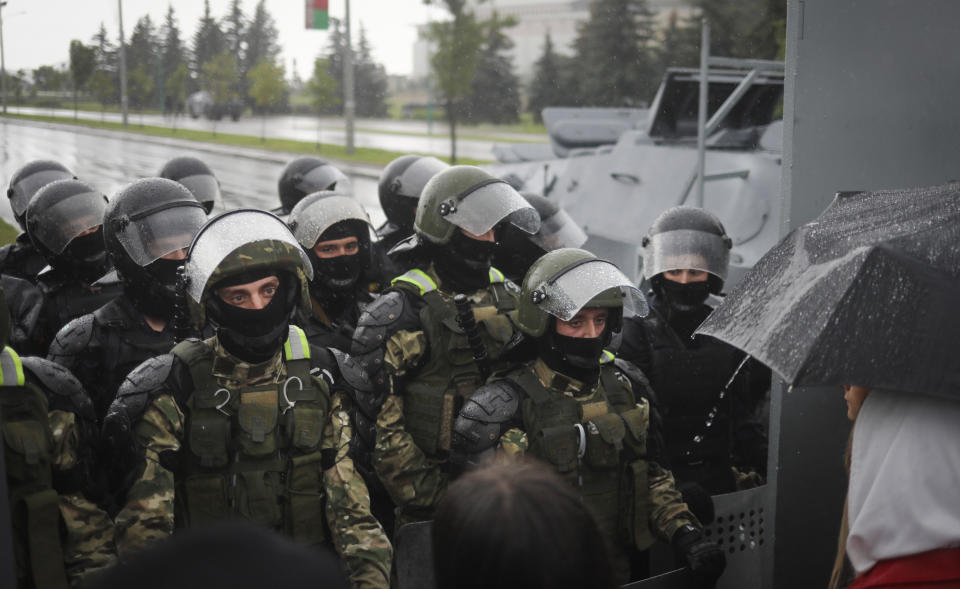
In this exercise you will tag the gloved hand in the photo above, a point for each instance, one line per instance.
(698, 500)
(705, 559)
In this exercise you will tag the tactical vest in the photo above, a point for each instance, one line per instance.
(599, 445)
(432, 398)
(34, 504)
(64, 302)
(254, 452)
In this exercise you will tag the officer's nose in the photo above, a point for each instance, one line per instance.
(591, 330)
(258, 301)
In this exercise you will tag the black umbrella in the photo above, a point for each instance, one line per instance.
(867, 294)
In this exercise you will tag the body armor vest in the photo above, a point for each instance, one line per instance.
(34, 504)
(688, 382)
(432, 398)
(65, 301)
(599, 445)
(254, 452)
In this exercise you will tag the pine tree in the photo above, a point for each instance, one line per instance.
(495, 89)
(615, 65)
(173, 58)
(370, 81)
(336, 49)
(261, 38)
(208, 41)
(105, 81)
(234, 29)
(144, 56)
(551, 84)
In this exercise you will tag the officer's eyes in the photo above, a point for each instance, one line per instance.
(237, 298)
(351, 247)
(270, 291)
(328, 249)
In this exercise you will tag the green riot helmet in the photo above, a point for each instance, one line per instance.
(401, 183)
(240, 247)
(566, 280)
(687, 237)
(471, 199)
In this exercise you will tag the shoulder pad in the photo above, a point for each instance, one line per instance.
(73, 338)
(494, 402)
(142, 384)
(63, 390)
(362, 391)
(5, 253)
(641, 384)
(110, 314)
(389, 313)
(323, 364)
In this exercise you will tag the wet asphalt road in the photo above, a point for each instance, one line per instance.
(109, 161)
(369, 132)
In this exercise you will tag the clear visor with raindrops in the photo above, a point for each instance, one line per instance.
(569, 291)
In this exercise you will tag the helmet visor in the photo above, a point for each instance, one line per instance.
(411, 182)
(69, 218)
(569, 291)
(480, 209)
(559, 230)
(160, 233)
(204, 188)
(24, 190)
(222, 235)
(325, 177)
(317, 213)
(686, 249)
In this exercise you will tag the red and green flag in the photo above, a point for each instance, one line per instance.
(318, 15)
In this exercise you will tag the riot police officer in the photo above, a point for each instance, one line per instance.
(147, 228)
(411, 343)
(251, 423)
(64, 221)
(578, 411)
(197, 177)
(20, 258)
(306, 175)
(399, 189)
(48, 428)
(707, 405)
(519, 250)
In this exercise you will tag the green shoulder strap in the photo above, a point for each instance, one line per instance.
(496, 276)
(11, 368)
(419, 279)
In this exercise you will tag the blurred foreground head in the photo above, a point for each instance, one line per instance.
(517, 526)
(230, 554)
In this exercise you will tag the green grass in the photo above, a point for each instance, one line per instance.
(7, 232)
(364, 155)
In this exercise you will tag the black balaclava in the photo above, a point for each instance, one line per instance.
(681, 297)
(156, 298)
(254, 335)
(517, 253)
(85, 257)
(463, 264)
(577, 357)
(334, 284)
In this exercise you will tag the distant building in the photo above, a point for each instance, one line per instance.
(536, 18)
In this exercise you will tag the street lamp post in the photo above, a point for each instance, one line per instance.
(123, 65)
(348, 97)
(3, 63)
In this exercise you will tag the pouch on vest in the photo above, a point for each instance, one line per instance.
(305, 491)
(257, 416)
(559, 445)
(30, 444)
(209, 437)
(637, 420)
(304, 426)
(205, 498)
(635, 504)
(604, 441)
(257, 496)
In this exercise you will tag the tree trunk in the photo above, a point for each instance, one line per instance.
(74, 104)
(452, 122)
(263, 128)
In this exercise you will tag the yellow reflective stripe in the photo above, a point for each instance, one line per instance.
(496, 275)
(298, 350)
(607, 356)
(418, 278)
(10, 365)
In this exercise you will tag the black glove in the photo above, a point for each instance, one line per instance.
(705, 559)
(698, 500)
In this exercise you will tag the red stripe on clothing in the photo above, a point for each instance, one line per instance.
(927, 570)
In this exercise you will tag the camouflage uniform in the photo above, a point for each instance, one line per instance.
(201, 435)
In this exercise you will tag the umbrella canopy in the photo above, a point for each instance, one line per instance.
(867, 294)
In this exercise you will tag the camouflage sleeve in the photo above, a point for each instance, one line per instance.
(513, 443)
(415, 483)
(147, 515)
(668, 512)
(357, 535)
(404, 350)
(88, 540)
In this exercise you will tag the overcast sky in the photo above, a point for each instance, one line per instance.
(38, 32)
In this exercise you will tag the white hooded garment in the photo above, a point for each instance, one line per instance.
(904, 494)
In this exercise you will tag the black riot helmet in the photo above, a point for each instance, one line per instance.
(307, 175)
(197, 177)
(519, 249)
(686, 237)
(30, 178)
(147, 220)
(401, 183)
(64, 222)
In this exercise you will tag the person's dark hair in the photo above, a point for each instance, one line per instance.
(225, 554)
(517, 526)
